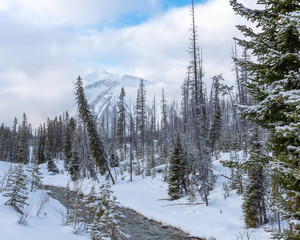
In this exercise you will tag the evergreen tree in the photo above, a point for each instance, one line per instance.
(68, 140)
(14, 142)
(141, 113)
(89, 168)
(176, 172)
(74, 215)
(151, 160)
(141, 118)
(96, 145)
(164, 117)
(114, 123)
(153, 127)
(41, 143)
(23, 148)
(131, 141)
(164, 159)
(6, 143)
(89, 203)
(121, 124)
(105, 221)
(274, 86)
(74, 168)
(51, 166)
(16, 189)
(113, 157)
(254, 205)
(215, 113)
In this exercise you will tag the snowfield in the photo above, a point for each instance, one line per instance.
(221, 220)
(46, 226)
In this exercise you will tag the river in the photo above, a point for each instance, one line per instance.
(133, 224)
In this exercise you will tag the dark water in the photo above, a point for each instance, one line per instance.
(133, 224)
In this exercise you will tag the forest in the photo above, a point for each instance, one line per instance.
(257, 121)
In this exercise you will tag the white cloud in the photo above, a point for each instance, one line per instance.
(45, 46)
(157, 49)
(75, 12)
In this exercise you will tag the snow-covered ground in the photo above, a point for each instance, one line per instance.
(46, 226)
(221, 220)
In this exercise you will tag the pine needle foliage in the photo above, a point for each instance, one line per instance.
(106, 215)
(16, 189)
(176, 171)
(274, 86)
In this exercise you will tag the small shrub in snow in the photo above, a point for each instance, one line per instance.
(226, 190)
(63, 215)
(246, 235)
(23, 216)
(43, 200)
(77, 187)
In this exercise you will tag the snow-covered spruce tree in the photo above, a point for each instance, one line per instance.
(164, 118)
(91, 168)
(74, 168)
(176, 181)
(74, 215)
(140, 122)
(23, 150)
(131, 141)
(113, 156)
(150, 159)
(105, 221)
(41, 143)
(16, 189)
(274, 84)
(6, 143)
(153, 120)
(13, 144)
(89, 202)
(95, 143)
(236, 174)
(254, 205)
(121, 123)
(215, 113)
(51, 166)
(68, 139)
(113, 122)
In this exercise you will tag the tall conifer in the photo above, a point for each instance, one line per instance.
(274, 85)
(96, 145)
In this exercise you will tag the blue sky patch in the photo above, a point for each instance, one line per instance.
(136, 18)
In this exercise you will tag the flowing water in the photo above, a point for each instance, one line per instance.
(133, 224)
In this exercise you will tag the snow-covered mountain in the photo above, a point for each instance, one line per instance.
(102, 90)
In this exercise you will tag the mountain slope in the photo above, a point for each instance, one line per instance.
(102, 90)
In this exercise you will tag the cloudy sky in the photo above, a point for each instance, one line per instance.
(46, 44)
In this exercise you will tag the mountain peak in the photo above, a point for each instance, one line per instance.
(98, 76)
(102, 89)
